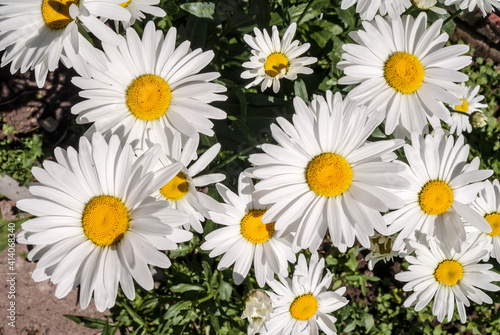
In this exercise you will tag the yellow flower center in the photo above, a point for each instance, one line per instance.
(449, 272)
(55, 13)
(404, 72)
(435, 197)
(253, 229)
(275, 63)
(105, 220)
(464, 107)
(175, 189)
(304, 307)
(329, 175)
(148, 97)
(494, 221)
(125, 4)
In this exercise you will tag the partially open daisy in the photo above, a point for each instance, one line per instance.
(137, 8)
(486, 6)
(150, 84)
(404, 70)
(324, 174)
(471, 102)
(368, 8)
(487, 204)
(303, 304)
(245, 239)
(273, 60)
(448, 276)
(36, 34)
(442, 188)
(381, 250)
(181, 191)
(96, 224)
(429, 5)
(258, 309)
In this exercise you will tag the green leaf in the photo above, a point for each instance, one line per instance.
(204, 10)
(180, 288)
(301, 90)
(369, 321)
(7, 228)
(87, 322)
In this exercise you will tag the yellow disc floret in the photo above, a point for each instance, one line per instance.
(329, 174)
(464, 107)
(105, 220)
(175, 189)
(148, 97)
(253, 229)
(275, 63)
(404, 72)
(449, 272)
(125, 4)
(304, 307)
(494, 221)
(436, 197)
(55, 13)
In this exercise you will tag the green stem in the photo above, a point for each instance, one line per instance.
(454, 15)
(232, 158)
(409, 10)
(460, 112)
(214, 293)
(305, 11)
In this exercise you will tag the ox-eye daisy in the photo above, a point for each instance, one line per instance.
(96, 224)
(488, 205)
(137, 8)
(368, 8)
(429, 5)
(273, 59)
(486, 6)
(303, 304)
(404, 70)
(324, 174)
(36, 34)
(245, 240)
(448, 276)
(181, 191)
(381, 250)
(442, 188)
(471, 102)
(150, 84)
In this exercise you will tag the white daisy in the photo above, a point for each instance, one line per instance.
(303, 304)
(368, 8)
(470, 104)
(447, 276)
(486, 6)
(96, 225)
(381, 250)
(181, 192)
(429, 5)
(404, 71)
(37, 34)
(137, 8)
(324, 174)
(488, 206)
(245, 240)
(442, 188)
(150, 84)
(273, 59)
(258, 309)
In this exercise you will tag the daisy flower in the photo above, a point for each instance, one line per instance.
(488, 206)
(150, 85)
(258, 309)
(380, 250)
(324, 174)
(37, 34)
(470, 104)
(303, 304)
(96, 225)
(450, 277)
(368, 8)
(486, 6)
(273, 59)
(181, 192)
(429, 5)
(245, 239)
(442, 188)
(404, 70)
(137, 8)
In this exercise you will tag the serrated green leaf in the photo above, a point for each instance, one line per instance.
(204, 10)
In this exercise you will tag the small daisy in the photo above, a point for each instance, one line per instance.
(324, 174)
(449, 277)
(36, 34)
(380, 250)
(245, 240)
(486, 6)
(303, 304)
(470, 104)
(368, 8)
(258, 309)
(137, 8)
(150, 85)
(96, 225)
(442, 188)
(488, 206)
(181, 192)
(273, 59)
(404, 70)
(429, 5)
